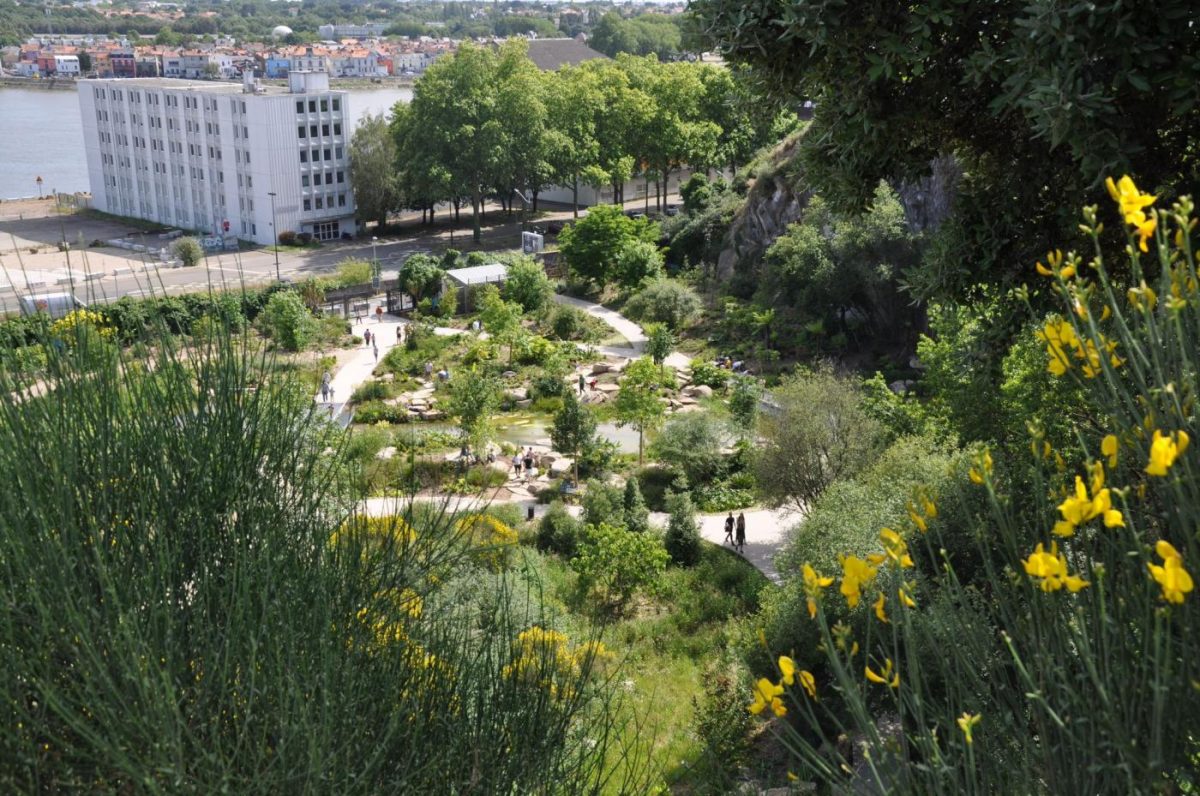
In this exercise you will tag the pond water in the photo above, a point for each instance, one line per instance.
(524, 430)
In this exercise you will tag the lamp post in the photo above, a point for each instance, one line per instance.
(275, 235)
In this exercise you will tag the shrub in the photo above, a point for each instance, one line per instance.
(288, 321)
(613, 564)
(492, 539)
(603, 502)
(682, 539)
(188, 251)
(705, 372)
(664, 301)
(373, 390)
(373, 412)
(558, 531)
(722, 722)
(287, 238)
(636, 262)
(568, 323)
(691, 443)
(352, 271)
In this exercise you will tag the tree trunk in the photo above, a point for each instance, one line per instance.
(476, 213)
(457, 210)
(641, 434)
(432, 212)
(535, 198)
(574, 196)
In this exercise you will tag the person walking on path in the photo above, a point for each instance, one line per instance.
(375, 348)
(400, 334)
(379, 314)
(740, 541)
(367, 337)
(729, 529)
(582, 383)
(528, 462)
(516, 463)
(428, 370)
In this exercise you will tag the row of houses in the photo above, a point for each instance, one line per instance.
(349, 57)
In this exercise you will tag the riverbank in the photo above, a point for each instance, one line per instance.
(48, 84)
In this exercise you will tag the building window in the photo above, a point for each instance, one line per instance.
(303, 155)
(341, 176)
(320, 203)
(324, 105)
(303, 180)
(324, 129)
(312, 130)
(341, 200)
(337, 104)
(247, 158)
(312, 106)
(308, 204)
(339, 153)
(316, 155)
(301, 132)
(328, 155)
(337, 128)
(249, 181)
(299, 106)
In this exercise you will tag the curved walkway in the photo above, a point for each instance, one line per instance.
(765, 528)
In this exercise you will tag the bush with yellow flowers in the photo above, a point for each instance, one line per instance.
(1067, 662)
(492, 539)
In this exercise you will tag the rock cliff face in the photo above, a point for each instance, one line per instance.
(778, 197)
(775, 199)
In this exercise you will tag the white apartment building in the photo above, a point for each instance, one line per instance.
(207, 156)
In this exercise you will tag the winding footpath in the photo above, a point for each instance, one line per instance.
(765, 528)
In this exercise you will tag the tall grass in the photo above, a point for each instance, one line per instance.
(188, 605)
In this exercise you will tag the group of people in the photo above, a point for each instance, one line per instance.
(372, 342)
(584, 383)
(523, 459)
(735, 532)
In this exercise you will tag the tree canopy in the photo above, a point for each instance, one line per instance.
(1034, 100)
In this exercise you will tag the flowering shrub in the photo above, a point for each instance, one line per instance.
(491, 538)
(79, 325)
(1068, 664)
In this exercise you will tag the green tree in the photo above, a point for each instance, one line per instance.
(660, 341)
(574, 429)
(623, 124)
(527, 284)
(815, 433)
(372, 169)
(637, 516)
(287, 320)
(501, 319)
(188, 251)
(614, 563)
(574, 102)
(682, 539)
(474, 399)
(590, 246)
(638, 403)
(421, 277)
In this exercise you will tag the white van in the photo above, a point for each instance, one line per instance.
(56, 305)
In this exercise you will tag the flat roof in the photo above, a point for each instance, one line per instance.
(201, 86)
(479, 274)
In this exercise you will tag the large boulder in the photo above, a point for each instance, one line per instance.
(698, 391)
(517, 393)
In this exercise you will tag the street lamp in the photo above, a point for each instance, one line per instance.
(376, 276)
(275, 234)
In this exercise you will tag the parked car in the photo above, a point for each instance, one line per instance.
(672, 210)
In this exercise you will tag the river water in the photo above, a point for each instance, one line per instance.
(41, 135)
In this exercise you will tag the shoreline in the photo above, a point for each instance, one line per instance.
(358, 83)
